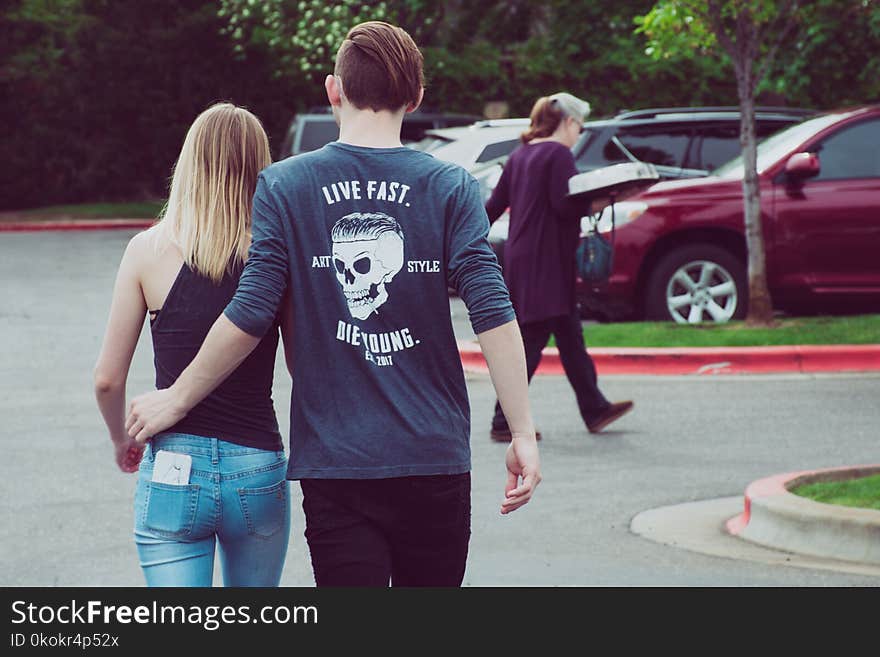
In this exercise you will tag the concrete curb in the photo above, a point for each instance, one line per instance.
(706, 360)
(74, 224)
(775, 518)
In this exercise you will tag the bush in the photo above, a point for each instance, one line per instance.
(101, 95)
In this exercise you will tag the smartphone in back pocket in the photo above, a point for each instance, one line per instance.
(172, 468)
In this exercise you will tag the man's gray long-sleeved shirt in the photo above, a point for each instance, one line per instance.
(367, 241)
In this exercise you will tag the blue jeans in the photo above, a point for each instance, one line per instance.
(237, 498)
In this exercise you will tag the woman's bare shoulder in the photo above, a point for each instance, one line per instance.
(146, 250)
(147, 243)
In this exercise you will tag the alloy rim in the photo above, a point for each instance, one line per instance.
(700, 291)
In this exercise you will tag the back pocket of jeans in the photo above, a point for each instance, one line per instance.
(265, 509)
(171, 510)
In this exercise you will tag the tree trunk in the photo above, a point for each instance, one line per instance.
(760, 304)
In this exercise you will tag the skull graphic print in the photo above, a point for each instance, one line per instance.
(367, 255)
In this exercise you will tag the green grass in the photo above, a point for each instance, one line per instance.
(857, 329)
(138, 210)
(863, 492)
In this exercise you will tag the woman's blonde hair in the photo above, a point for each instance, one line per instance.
(208, 214)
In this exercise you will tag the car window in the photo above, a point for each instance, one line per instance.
(851, 153)
(611, 153)
(665, 146)
(715, 146)
(780, 143)
(317, 133)
(766, 128)
(498, 149)
(591, 152)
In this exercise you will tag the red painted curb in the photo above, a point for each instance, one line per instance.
(778, 485)
(706, 360)
(74, 224)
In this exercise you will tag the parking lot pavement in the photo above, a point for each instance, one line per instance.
(65, 510)
(460, 322)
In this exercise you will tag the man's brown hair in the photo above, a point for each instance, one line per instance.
(380, 67)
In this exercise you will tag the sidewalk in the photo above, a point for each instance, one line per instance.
(776, 518)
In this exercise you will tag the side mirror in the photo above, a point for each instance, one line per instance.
(802, 165)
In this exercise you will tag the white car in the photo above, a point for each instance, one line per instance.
(481, 148)
(476, 147)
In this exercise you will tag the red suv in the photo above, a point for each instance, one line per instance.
(680, 249)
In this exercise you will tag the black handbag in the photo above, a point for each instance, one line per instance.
(595, 253)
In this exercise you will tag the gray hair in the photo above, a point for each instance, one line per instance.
(571, 105)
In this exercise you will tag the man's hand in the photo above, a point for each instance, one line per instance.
(523, 471)
(128, 454)
(503, 349)
(152, 413)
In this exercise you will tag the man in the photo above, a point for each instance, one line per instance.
(365, 236)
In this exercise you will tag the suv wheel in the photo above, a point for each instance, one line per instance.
(697, 283)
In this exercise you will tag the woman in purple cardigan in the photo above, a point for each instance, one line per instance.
(539, 255)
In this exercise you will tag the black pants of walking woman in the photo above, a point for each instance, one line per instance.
(576, 362)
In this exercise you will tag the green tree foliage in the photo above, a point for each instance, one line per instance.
(101, 94)
(834, 59)
(305, 35)
(33, 88)
(830, 59)
(591, 48)
(511, 50)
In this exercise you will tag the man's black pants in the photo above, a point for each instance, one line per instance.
(413, 531)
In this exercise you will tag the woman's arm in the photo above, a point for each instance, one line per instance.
(127, 312)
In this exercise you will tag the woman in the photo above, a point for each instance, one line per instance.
(218, 476)
(539, 256)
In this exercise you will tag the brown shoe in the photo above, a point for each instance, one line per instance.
(504, 435)
(614, 412)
